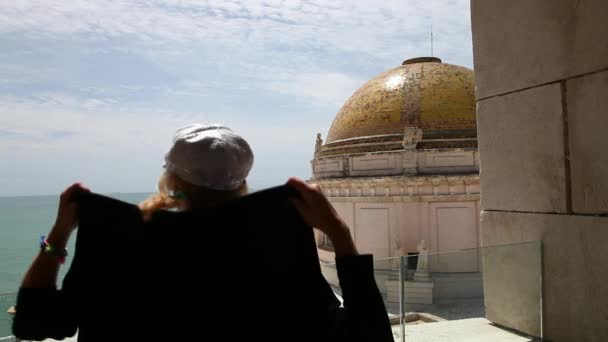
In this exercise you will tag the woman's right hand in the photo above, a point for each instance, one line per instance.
(314, 207)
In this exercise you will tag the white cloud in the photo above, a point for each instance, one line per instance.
(323, 89)
(88, 86)
(56, 139)
(92, 121)
(368, 27)
(258, 40)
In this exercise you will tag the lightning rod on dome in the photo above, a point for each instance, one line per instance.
(432, 41)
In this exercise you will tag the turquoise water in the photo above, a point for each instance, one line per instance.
(22, 221)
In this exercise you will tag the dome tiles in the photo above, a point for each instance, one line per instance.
(423, 93)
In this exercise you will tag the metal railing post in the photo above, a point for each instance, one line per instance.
(402, 269)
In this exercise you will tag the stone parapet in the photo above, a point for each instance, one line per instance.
(457, 139)
(395, 163)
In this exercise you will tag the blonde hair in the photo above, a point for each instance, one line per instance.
(194, 196)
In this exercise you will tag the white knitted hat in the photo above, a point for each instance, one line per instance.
(211, 155)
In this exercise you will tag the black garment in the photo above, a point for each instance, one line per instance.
(246, 270)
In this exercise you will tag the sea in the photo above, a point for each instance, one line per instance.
(22, 221)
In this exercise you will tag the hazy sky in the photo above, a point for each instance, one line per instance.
(94, 90)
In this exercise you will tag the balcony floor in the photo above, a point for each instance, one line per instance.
(465, 330)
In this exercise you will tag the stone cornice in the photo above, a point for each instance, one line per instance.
(409, 199)
(427, 185)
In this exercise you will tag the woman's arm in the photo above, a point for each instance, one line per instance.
(42, 311)
(364, 317)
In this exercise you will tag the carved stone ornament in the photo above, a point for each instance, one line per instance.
(318, 143)
(411, 137)
(422, 257)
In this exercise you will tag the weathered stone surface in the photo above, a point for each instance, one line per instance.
(574, 270)
(521, 43)
(512, 283)
(521, 146)
(588, 125)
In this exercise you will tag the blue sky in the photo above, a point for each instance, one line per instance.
(94, 90)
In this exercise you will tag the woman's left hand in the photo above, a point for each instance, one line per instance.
(67, 217)
(43, 271)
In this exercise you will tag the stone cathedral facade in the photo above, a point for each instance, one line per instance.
(400, 164)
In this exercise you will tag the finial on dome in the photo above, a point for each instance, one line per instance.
(421, 60)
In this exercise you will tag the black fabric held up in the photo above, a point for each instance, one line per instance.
(243, 270)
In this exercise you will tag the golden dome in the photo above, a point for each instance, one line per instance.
(424, 93)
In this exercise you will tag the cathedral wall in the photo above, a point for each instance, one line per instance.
(390, 226)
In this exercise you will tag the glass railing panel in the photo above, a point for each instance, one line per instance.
(7, 301)
(474, 293)
(387, 273)
(448, 285)
(485, 294)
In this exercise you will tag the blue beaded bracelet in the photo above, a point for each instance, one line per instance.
(52, 250)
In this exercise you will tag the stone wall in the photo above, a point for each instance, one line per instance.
(541, 69)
